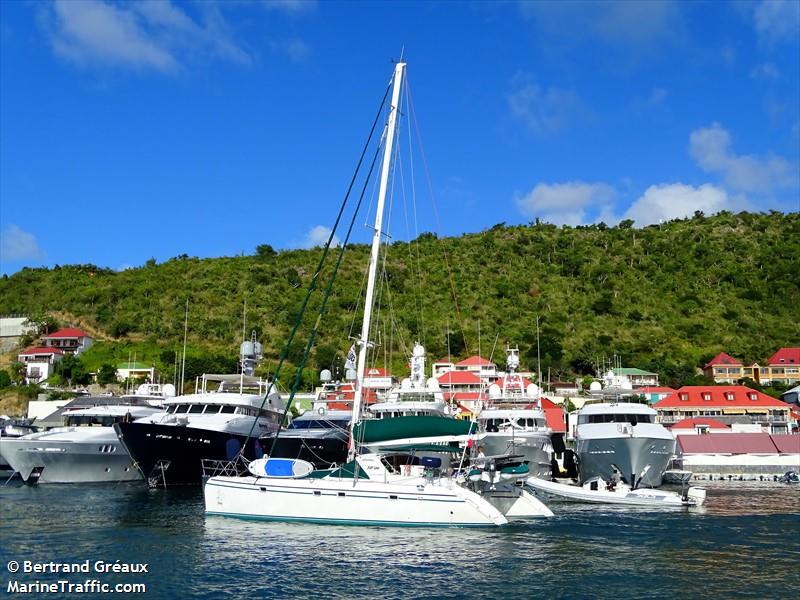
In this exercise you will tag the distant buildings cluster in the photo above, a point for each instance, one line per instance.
(781, 367)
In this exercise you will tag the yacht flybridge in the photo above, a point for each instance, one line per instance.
(383, 488)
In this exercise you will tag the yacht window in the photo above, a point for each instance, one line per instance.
(171, 409)
(196, 408)
(212, 409)
(182, 408)
(228, 409)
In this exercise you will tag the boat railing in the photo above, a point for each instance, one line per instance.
(224, 468)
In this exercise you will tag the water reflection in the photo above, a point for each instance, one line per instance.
(742, 542)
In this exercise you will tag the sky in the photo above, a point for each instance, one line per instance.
(132, 131)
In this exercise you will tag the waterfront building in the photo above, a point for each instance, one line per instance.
(654, 393)
(699, 426)
(481, 367)
(638, 377)
(782, 367)
(723, 368)
(739, 453)
(728, 404)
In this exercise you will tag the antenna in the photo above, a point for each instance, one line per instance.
(185, 333)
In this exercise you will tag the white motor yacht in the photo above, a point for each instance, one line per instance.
(622, 439)
(85, 450)
(513, 422)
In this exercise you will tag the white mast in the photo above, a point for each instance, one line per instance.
(363, 342)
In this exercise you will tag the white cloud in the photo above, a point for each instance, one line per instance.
(614, 22)
(542, 110)
(291, 6)
(711, 148)
(16, 244)
(571, 203)
(667, 201)
(777, 20)
(765, 70)
(296, 49)
(318, 236)
(141, 35)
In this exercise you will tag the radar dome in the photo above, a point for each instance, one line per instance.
(494, 391)
(595, 386)
(168, 389)
(433, 383)
(351, 375)
(405, 384)
(325, 375)
(532, 390)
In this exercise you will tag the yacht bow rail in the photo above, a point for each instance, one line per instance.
(224, 468)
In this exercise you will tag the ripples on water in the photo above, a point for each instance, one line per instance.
(745, 542)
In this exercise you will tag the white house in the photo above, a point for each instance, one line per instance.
(39, 363)
(69, 339)
(135, 370)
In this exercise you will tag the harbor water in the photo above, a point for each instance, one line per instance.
(745, 542)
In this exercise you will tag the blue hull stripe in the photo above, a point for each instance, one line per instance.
(374, 496)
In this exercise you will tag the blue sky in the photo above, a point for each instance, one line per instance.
(131, 131)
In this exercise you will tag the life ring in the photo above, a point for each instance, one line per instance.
(321, 410)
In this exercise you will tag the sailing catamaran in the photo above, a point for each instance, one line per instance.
(373, 488)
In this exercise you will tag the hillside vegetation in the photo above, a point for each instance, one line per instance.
(664, 298)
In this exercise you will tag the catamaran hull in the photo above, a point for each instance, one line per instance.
(98, 461)
(597, 457)
(339, 501)
(168, 455)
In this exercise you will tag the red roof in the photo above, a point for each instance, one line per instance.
(459, 378)
(786, 443)
(720, 397)
(475, 361)
(785, 356)
(727, 443)
(656, 389)
(723, 359)
(68, 332)
(694, 422)
(41, 350)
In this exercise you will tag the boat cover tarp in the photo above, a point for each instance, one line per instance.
(727, 443)
(422, 426)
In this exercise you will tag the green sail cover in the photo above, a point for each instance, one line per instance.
(346, 470)
(398, 428)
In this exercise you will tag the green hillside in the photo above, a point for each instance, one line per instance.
(664, 298)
